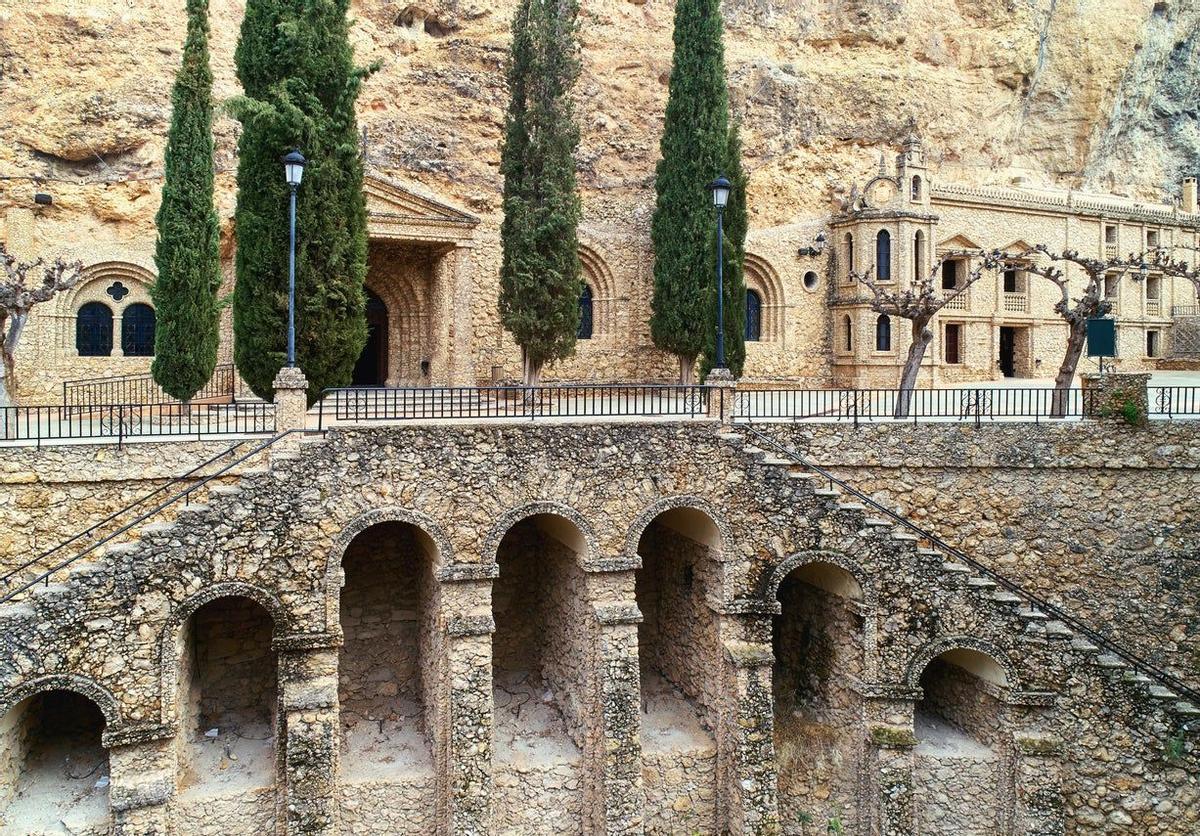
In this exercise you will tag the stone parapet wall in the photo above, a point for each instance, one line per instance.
(113, 632)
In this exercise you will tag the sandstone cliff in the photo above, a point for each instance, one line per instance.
(1094, 92)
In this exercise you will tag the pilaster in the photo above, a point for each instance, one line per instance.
(614, 759)
(141, 762)
(308, 724)
(1038, 799)
(746, 771)
(464, 735)
(888, 782)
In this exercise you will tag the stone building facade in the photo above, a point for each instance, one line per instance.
(624, 628)
(906, 225)
(432, 284)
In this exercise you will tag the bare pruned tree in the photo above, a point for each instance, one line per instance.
(17, 298)
(1041, 261)
(1162, 260)
(919, 303)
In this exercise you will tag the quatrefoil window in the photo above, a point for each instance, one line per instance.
(117, 291)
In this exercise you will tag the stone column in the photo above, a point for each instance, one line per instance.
(746, 773)
(463, 735)
(889, 763)
(1120, 396)
(308, 726)
(1038, 801)
(722, 390)
(451, 306)
(614, 756)
(141, 763)
(291, 399)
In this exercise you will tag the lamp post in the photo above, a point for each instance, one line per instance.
(720, 197)
(293, 168)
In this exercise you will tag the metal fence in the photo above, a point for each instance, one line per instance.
(483, 402)
(978, 404)
(142, 389)
(127, 421)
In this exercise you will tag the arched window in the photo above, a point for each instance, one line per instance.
(753, 316)
(883, 333)
(137, 331)
(883, 256)
(916, 188)
(585, 314)
(94, 330)
(919, 266)
(849, 253)
(848, 328)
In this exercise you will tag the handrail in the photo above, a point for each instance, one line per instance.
(1103, 641)
(7, 577)
(45, 576)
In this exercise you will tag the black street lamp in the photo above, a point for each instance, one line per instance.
(293, 167)
(720, 197)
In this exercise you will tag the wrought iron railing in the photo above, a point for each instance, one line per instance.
(971, 404)
(934, 541)
(142, 389)
(127, 421)
(532, 402)
(922, 404)
(12, 586)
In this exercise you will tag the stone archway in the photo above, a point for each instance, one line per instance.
(415, 269)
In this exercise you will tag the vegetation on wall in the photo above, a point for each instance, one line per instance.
(694, 150)
(187, 315)
(540, 273)
(296, 67)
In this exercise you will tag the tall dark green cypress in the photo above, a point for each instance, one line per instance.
(540, 280)
(300, 85)
(186, 252)
(734, 249)
(693, 152)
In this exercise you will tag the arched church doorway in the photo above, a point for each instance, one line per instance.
(372, 366)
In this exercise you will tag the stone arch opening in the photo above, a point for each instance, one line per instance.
(53, 766)
(386, 671)
(604, 300)
(541, 648)
(819, 643)
(371, 368)
(680, 652)
(958, 782)
(226, 697)
(762, 279)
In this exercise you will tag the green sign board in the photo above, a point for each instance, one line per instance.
(1102, 337)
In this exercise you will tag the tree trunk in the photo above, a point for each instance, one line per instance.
(687, 370)
(532, 371)
(921, 338)
(8, 380)
(1066, 372)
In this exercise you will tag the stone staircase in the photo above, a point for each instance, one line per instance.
(113, 569)
(1029, 620)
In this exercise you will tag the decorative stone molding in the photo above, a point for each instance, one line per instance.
(491, 543)
(103, 698)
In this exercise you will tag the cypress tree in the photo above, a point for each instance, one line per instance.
(693, 151)
(540, 273)
(297, 70)
(186, 253)
(736, 224)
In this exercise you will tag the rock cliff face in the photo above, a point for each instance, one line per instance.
(1066, 92)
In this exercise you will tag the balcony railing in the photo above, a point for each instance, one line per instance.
(1153, 307)
(1016, 303)
(1110, 251)
(960, 302)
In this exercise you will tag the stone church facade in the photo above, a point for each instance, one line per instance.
(432, 285)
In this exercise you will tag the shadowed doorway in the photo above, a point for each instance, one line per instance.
(372, 366)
